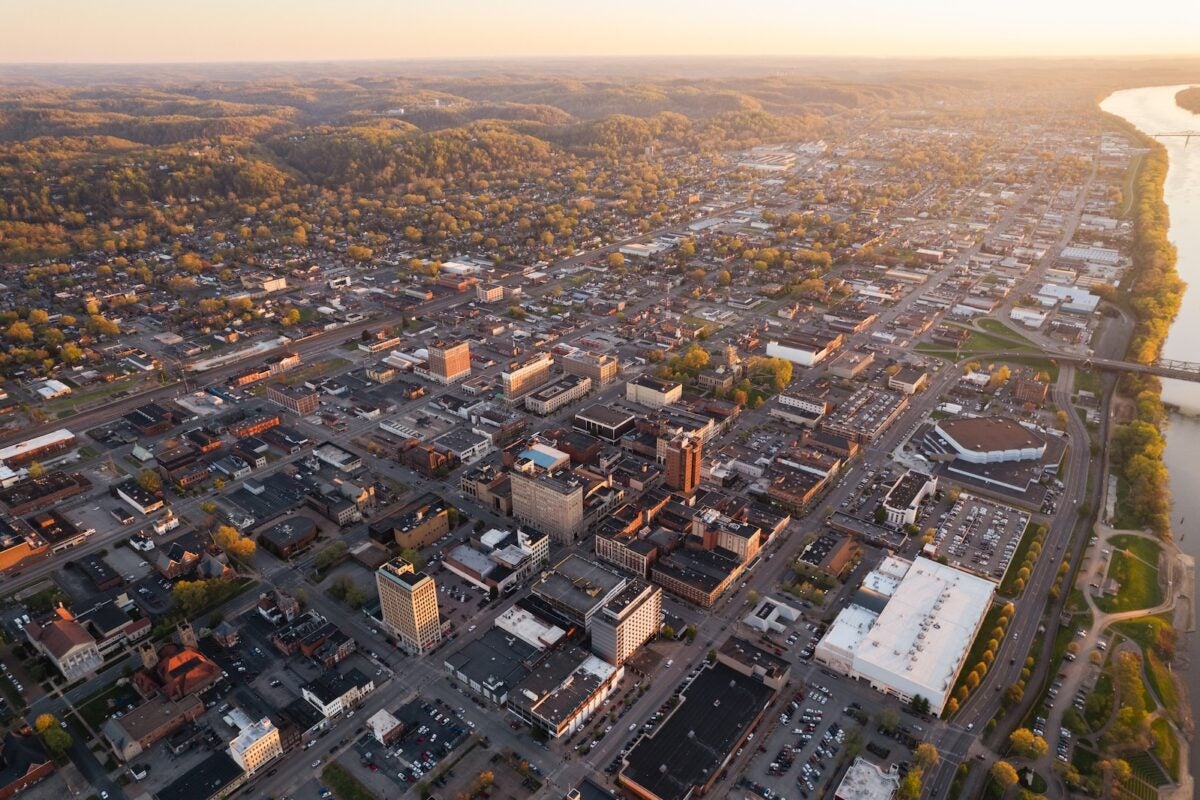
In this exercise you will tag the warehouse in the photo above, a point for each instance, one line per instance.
(909, 629)
(684, 757)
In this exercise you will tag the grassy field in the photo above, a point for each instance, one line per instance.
(79, 399)
(1128, 195)
(1144, 630)
(980, 342)
(1087, 381)
(1162, 683)
(1166, 746)
(316, 370)
(344, 785)
(1134, 566)
(96, 708)
(992, 325)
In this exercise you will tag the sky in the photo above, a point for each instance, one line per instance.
(173, 31)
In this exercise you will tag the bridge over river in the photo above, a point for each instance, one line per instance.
(1163, 368)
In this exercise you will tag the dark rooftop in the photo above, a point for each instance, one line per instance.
(694, 742)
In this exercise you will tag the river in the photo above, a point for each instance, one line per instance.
(1153, 110)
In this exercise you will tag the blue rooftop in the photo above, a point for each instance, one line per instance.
(543, 460)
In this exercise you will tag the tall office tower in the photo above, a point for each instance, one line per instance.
(681, 457)
(409, 605)
(449, 361)
(627, 622)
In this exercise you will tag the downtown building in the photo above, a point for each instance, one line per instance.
(522, 377)
(449, 362)
(409, 606)
(627, 621)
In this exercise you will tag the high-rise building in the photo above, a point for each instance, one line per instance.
(409, 605)
(627, 621)
(681, 457)
(522, 377)
(550, 502)
(256, 745)
(449, 361)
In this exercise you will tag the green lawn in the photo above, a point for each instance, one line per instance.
(344, 785)
(1128, 192)
(1134, 566)
(1144, 630)
(96, 708)
(1037, 363)
(78, 399)
(1166, 746)
(1162, 683)
(992, 325)
(1087, 381)
(980, 342)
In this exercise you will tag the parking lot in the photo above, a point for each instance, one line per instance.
(980, 535)
(432, 732)
(801, 754)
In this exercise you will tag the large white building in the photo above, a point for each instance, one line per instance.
(903, 500)
(990, 440)
(255, 745)
(916, 642)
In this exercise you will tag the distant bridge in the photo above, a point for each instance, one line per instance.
(1185, 135)
(1163, 368)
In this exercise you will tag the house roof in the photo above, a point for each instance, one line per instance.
(61, 635)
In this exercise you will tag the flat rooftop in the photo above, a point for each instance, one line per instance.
(985, 434)
(923, 634)
(604, 415)
(695, 741)
(578, 584)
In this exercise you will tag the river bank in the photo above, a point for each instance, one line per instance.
(1154, 110)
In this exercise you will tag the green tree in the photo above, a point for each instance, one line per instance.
(413, 556)
(57, 740)
(150, 480)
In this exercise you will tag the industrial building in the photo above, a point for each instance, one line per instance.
(908, 630)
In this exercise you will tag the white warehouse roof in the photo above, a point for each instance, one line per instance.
(918, 642)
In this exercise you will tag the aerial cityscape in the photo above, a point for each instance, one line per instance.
(506, 419)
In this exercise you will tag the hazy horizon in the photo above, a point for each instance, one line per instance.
(272, 31)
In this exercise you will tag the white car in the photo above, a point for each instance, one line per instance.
(316, 763)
